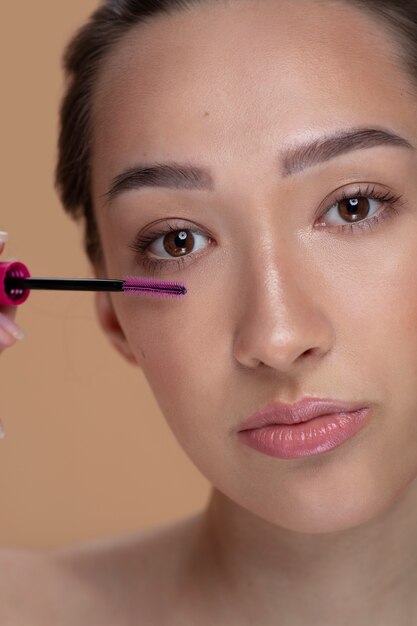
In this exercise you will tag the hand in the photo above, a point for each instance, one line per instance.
(9, 331)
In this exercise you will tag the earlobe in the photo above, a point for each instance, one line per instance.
(110, 324)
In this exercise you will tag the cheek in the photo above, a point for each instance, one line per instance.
(185, 369)
(396, 338)
(384, 331)
(392, 318)
(374, 313)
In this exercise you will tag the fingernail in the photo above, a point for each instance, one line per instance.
(2, 431)
(11, 327)
(3, 236)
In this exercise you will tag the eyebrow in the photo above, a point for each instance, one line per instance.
(293, 160)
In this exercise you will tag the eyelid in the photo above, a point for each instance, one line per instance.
(348, 190)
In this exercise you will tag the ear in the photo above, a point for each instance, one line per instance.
(111, 326)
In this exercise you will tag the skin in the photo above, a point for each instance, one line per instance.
(277, 309)
(7, 339)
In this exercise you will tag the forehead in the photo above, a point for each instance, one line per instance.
(248, 74)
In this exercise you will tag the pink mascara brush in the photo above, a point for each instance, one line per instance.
(16, 283)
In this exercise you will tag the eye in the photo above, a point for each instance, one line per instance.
(355, 207)
(173, 241)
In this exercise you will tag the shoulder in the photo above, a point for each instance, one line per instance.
(132, 573)
(23, 574)
(36, 589)
(107, 582)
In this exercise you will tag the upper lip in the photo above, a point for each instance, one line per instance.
(302, 411)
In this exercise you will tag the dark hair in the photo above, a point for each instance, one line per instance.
(94, 41)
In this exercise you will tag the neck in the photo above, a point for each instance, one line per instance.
(270, 574)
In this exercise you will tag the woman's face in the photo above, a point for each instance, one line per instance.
(277, 307)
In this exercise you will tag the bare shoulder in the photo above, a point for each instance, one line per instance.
(23, 575)
(35, 589)
(122, 579)
(117, 581)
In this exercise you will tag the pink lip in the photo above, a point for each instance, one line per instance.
(306, 409)
(321, 434)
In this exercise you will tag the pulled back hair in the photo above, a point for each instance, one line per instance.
(94, 41)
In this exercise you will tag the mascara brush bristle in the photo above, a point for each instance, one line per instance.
(153, 287)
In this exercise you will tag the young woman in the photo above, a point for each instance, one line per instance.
(264, 154)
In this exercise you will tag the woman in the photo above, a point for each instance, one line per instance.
(300, 118)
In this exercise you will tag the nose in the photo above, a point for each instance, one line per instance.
(283, 326)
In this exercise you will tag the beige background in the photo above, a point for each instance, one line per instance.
(87, 452)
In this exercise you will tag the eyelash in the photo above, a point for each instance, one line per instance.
(141, 243)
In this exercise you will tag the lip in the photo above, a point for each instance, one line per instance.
(315, 436)
(306, 409)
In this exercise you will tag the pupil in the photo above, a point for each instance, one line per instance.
(179, 240)
(354, 202)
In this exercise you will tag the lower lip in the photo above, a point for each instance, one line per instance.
(318, 435)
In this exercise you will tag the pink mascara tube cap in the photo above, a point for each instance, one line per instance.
(13, 297)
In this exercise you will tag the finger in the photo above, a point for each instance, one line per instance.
(3, 238)
(9, 310)
(6, 338)
(10, 327)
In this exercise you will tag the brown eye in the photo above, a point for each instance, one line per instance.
(175, 243)
(354, 209)
(178, 242)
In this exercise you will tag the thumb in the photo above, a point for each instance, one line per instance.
(8, 310)
(3, 238)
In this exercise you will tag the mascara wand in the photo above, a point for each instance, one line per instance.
(16, 283)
